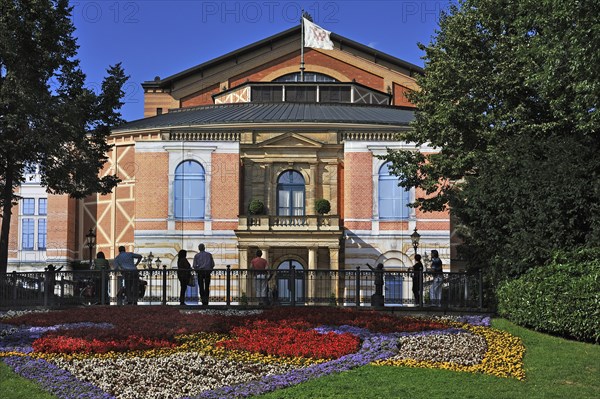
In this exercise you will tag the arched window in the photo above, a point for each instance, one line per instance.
(393, 199)
(290, 194)
(189, 190)
(308, 77)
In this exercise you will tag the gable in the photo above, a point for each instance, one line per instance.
(290, 140)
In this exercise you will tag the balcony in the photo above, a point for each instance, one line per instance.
(289, 223)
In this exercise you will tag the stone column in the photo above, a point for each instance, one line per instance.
(311, 273)
(334, 264)
(243, 285)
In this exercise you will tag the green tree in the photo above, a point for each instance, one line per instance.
(510, 99)
(47, 115)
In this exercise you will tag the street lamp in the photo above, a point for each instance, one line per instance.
(90, 242)
(415, 237)
(158, 262)
(148, 260)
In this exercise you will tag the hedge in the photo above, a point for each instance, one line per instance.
(562, 298)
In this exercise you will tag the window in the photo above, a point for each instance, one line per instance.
(189, 190)
(301, 94)
(290, 194)
(308, 77)
(41, 234)
(267, 93)
(27, 232)
(334, 94)
(43, 206)
(393, 199)
(28, 206)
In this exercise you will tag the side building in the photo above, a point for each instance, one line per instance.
(246, 127)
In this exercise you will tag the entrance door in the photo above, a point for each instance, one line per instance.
(393, 289)
(284, 282)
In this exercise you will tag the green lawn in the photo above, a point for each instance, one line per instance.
(14, 387)
(555, 368)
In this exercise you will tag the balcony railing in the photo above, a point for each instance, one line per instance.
(244, 287)
(295, 223)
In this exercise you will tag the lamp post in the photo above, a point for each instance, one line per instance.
(148, 261)
(90, 242)
(415, 237)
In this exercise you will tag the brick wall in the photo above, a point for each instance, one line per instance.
(201, 97)
(311, 57)
(400, 93)
(225, 190)
(13, 239)
(152, 101)
(152, 185)
(61, 228)
(358, 188)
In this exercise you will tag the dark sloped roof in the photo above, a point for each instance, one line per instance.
(274, 113)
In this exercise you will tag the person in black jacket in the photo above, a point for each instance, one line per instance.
(417, 279)
(184, 273)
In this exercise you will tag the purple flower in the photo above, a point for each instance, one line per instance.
(374, 347)
(476, 320)
(55, 380)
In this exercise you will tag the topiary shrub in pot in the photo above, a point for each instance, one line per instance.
(322, 206)
(256, 207)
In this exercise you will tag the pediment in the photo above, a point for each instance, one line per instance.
(291, 140)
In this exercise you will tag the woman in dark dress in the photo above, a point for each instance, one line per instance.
(184, 272)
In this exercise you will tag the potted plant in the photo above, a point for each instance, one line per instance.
(256, 207)
(322, 206)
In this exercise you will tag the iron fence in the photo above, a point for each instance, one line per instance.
(245, 287)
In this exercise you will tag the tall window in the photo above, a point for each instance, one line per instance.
(27, 233)
(393, 199)
(189, 192)
(290, 194)
(33, 223)
(41, 234)
(43, 206)
(28, 206)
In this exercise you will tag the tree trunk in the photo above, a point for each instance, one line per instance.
(7, 197)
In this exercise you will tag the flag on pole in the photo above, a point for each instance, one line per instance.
(315, 36)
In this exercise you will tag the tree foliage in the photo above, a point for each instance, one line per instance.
(47, 115)
(510, 98)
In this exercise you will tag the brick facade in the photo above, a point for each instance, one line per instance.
(358, 186)
(244, 162)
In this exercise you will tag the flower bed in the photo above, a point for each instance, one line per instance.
(157, 352)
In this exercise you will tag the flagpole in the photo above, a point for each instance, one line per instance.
(302, 47)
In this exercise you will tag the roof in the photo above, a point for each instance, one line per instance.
(241, 113)
(295, 31)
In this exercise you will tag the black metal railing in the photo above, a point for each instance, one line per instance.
(245, 287)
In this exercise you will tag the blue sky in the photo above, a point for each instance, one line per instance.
(160, 38)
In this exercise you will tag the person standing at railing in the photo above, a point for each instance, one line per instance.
(184, 274)
(126, 263)
(260, 266)
(435, 291)
(204, 264)
(378, 299)
(51, 271)
(101, 264)
(417, 279)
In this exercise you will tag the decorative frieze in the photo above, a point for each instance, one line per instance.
(203, 136)
(370, 136)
